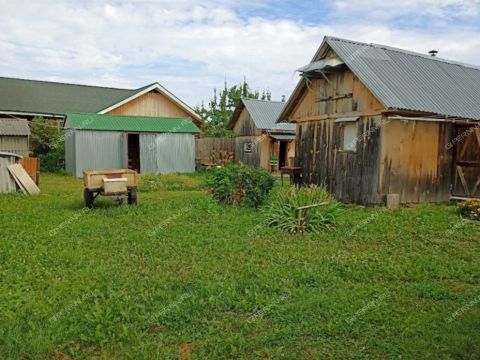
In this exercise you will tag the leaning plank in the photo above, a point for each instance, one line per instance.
(23, 179)
(17, 181)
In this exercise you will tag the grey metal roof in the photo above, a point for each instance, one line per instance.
(265, 114)
(15, 127)
(407, 80)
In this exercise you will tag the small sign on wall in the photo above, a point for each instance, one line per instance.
(248, 147)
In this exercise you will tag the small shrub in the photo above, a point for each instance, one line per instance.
(45, 136)
(47, 143)
(170, 182)
(282, 213)
(470, 209)
(53, 161)
(240, 185)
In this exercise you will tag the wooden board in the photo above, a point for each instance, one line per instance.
(23, 179)
(20, 185)
(32, 167)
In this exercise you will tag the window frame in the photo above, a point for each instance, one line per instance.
(343, 124)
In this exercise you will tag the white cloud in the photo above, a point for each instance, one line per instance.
(191, 46)
(382, 10)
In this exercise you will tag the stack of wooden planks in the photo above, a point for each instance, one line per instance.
(23, 180)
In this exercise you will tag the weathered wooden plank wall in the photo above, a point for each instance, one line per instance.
(245, 125)
(349, 176)
(252, 158)
(343, 95)
(216, 151)
(416, 162)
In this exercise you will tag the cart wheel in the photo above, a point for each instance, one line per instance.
(88, 197)
(132, 196)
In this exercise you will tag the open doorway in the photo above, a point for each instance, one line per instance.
(134, 152)
(282, 154)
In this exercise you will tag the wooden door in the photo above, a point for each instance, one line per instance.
(467, 162)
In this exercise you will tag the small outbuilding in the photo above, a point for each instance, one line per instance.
(7, 183)
(14, 136)
(376, 124)
(259, 140)
(145, 144)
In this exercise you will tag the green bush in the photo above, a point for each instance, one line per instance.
(470, 209)
(47, 142)
(170, 182)
(240, 185)
(282, 210)
(53, 161)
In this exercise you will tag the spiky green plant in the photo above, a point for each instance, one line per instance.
(282, 211)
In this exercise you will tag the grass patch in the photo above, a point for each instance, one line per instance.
(171, 182)
(179, 274)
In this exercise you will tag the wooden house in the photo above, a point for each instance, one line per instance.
(52, 100)
(259, 140)
(374, 121)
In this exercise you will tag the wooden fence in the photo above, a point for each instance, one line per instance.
(214, 151)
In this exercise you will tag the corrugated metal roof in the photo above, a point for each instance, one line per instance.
(265, 114)
(407, 80)
(16, 127)
(83, 121)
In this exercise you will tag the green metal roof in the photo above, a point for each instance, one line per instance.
(52, 98)
(86, 121)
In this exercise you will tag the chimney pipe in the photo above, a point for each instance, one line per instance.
(433, 53)
(283, 98)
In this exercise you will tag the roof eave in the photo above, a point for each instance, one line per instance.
(27, 113)
(287, 110)
(280, 131)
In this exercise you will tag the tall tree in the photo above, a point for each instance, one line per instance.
(220, 108)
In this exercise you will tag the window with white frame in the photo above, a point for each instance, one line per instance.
(350, 135)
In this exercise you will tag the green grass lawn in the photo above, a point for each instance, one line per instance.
(180, 277)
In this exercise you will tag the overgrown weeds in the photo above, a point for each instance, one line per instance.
(302, 209)
(240, 185)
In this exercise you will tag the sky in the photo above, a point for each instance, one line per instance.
(191, 47)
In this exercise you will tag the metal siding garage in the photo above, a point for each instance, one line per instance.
(167, 153)
(97, 150)
(166, 145)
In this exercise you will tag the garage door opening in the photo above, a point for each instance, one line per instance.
(134, 152)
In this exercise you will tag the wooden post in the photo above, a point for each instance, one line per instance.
(393, 201)
(307, 207)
